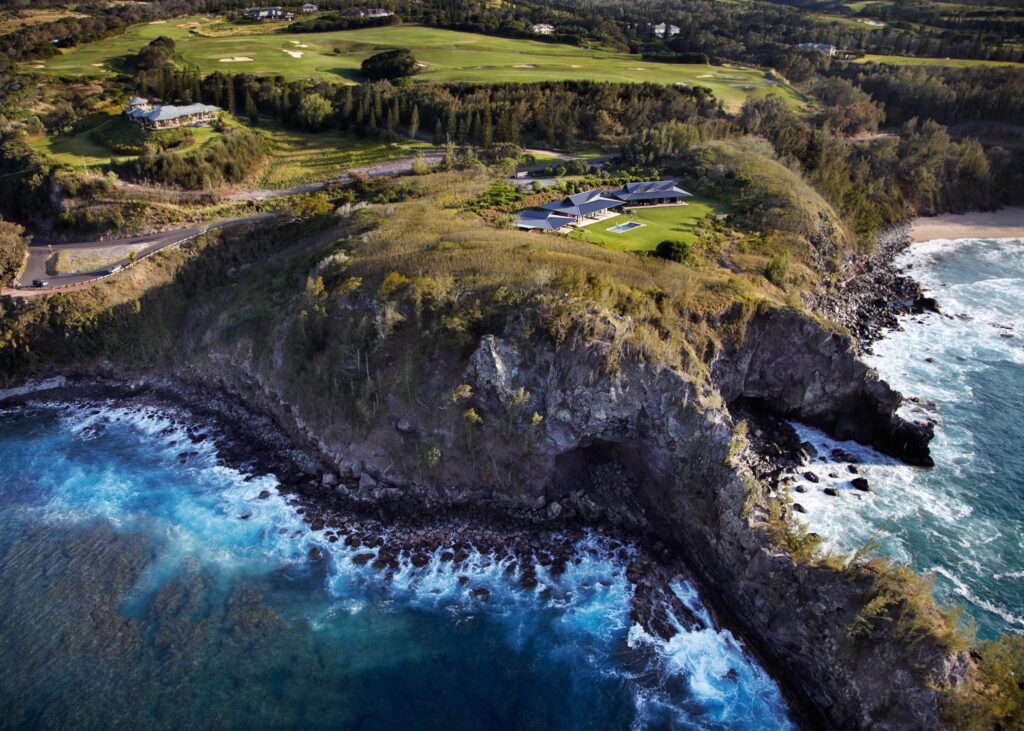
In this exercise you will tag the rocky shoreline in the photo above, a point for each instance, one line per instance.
(379, 533)
(874, 293)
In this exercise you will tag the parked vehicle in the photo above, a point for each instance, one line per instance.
(40, 283)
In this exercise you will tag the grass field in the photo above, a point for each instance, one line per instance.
(10, 21)
(448, 55)
(302, 157)
(675, 223)
(74, 261)
(918, 61)
(81, 150)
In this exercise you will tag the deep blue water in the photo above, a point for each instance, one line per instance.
(963, 519)
(133, 595)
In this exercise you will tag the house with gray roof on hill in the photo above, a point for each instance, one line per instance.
(165, 116)
(651, 192)
(582, 205)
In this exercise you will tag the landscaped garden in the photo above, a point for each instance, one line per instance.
(657, 224)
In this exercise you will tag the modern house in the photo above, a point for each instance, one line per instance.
(663, 29)
(534, 219)
(367, 13)
(827, 48)
(588, 204)
(653, 192)
(309, 8)
(158, 116)
(591, 205)
(274, 13)
(543, 29)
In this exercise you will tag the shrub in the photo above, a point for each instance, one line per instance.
(679, 251)
(777, 270)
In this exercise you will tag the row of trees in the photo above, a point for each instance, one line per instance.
(550, 113)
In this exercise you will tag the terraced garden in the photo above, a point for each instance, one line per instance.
(448, 56)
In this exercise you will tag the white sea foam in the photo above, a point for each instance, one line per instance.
(962, 368)
(32, 387)
(191, 506)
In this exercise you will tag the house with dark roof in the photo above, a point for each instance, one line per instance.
(534, 219)
(587, 204)
(651, 192)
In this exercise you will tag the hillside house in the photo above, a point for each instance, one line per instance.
(367, 13)
(650, 193)
(166, 116)
(827, 48)
(274, 13)
(583, 208)
(543, 29)
(664, 29)
(310, 8)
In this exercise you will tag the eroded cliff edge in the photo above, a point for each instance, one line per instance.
(584, 431)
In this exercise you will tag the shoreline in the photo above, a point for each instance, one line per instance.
(1007, 223)
(254, 443)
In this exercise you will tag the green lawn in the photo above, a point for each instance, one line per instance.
(81, 150)
(675, 223)
(918, 61)
(448, 55)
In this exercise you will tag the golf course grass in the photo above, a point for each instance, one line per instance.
(667, 223)
(448, 56)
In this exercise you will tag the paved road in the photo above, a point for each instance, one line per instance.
(40, 251)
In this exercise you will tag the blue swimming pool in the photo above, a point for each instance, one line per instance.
(623, 227)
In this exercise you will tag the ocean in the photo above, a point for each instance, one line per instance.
(145, 583)
(963, 519)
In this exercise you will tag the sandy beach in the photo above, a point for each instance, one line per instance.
(1004, 224)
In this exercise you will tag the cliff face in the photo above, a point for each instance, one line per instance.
(799, 370)
(644, 447)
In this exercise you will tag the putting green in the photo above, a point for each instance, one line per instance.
(448, 56)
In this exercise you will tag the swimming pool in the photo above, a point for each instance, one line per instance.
(623, 227)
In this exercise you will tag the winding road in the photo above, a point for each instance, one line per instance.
(40, 251)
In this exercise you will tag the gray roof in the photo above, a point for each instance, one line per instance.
(169, 112)
(650, 190)
(533, 218)
(582, 204)
(137, 101)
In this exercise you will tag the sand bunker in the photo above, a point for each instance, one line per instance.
(157, 22)
(637, 68)
(525, 66)
(38, 66)
(96, 64)
(421, 65)
(293, 54)
(236, 59)
(300, 44)
(576, 66)
(706, 76)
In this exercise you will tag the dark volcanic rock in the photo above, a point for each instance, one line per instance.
(861, 484)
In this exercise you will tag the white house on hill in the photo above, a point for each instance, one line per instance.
(543, 29)
(663, 29)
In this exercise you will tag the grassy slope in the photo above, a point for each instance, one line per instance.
(919, 61)
(302, 157)
(674, 223)
(449, 55)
